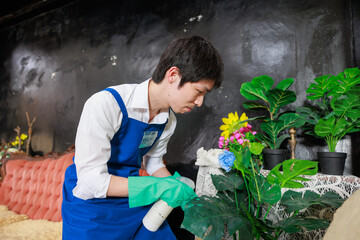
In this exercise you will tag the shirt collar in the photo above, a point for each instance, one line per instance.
(141, 96)
(140, 100)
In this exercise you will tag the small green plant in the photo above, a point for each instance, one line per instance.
(337, 107)
(263, 97)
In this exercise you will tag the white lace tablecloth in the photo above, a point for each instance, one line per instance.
(320, 183)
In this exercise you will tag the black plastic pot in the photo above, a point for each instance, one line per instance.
(273, 157)
(332, 163)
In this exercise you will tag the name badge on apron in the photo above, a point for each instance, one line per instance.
(148, 139)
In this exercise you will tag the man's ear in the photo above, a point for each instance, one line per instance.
(173, 74)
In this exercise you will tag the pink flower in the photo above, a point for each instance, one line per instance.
(232, 138)
(221, 144)
(241, 141)
(254, 132)
(222, 138)
(237, 136)
(241, 130)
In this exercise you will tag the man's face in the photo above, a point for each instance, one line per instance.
(184, 99)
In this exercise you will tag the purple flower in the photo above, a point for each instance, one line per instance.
(226, 160)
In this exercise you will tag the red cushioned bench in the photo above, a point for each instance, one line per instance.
(33, 185)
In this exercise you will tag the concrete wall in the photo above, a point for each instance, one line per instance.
(51, 62)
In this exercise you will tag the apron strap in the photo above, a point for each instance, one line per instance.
(119, 101)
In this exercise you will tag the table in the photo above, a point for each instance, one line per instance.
(320, 183)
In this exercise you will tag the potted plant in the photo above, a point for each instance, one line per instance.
(243, 205)
(337, 113)
(263, 97)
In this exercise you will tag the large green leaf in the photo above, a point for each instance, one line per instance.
(246, 157)
(256, 148)
(310, 114)
(263, 82)
(292, 169)
(242, 223)
(325, 105)
(245, 231)
(285, 84)
(323, 85)
(228, 182)
(258, 226)
(273, 129)
(252, 93)
(280, 140)
(349, 106)
(278, 98)
(292, 120)
(254, 105)
(297, 224)
(296, 201)
(264, 191)
(330, 127)
(324, 127)
(347, 79)
(205, 217)
(242, 160)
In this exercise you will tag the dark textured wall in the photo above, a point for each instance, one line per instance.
(355, 23)
(51, 63)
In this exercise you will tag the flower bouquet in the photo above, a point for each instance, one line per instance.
(12, 147)
(246, 194)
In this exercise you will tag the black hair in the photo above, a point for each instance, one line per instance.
(195, 57)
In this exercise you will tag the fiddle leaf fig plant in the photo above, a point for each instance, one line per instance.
(338, 107)
(263, 97)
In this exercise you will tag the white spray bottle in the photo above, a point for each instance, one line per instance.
(161, 210)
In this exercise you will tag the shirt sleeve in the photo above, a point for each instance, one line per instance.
(153, 160)
(99, 121)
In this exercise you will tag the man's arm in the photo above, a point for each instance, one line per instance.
(161, 172)
(118, 186)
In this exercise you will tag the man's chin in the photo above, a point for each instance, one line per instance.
(182, 111)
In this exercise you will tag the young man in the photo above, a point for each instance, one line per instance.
(126, 126)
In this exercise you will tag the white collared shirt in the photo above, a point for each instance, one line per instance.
(100, 120)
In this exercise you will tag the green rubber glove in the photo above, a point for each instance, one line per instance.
(146, 190)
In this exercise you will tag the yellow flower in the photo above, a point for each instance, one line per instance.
(23, 136)
(232, 123)
(14, 143)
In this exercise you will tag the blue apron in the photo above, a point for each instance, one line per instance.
(111, 218)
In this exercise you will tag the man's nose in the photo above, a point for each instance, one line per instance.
(199, 100)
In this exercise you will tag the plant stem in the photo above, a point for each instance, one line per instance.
(236, 201)
(247, 190)
(257, 187)
(267, 212)
(295, 213)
